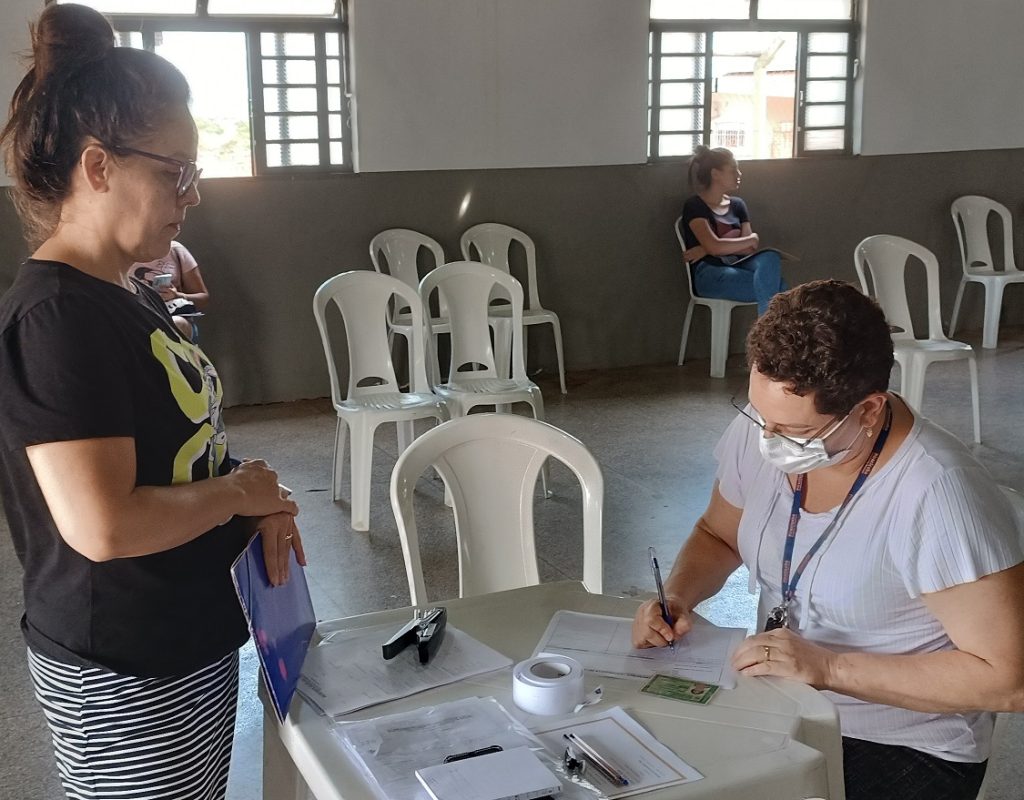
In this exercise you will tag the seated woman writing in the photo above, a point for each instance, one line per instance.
(721, 247)
(888, 560)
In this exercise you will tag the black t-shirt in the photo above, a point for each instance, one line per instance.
(725, 226)
(82, 358)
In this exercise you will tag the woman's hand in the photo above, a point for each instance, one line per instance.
(280, 537)
(168, 293)
(788, 655)
(650, 630)
(261, 495)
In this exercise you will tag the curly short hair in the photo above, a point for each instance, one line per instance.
(824, 337)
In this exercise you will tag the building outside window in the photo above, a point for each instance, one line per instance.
(765, 78)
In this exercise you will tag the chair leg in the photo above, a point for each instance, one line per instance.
(362, 469)
(537, 404)
(557, 329)
(686, 332)
(339, 458)
(956, 306)
(503, 346)
(406, 433)
(975, 402)
(721, 322)
(912, 382)
(993, 310)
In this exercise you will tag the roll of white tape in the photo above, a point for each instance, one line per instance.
(548, 685)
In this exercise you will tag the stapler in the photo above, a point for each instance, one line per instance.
(425, 630)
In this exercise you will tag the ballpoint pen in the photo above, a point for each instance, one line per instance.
(604, 766)
(665, 615)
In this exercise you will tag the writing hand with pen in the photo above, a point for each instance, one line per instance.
(661, 621)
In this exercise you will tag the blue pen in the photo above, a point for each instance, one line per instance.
(661, 593)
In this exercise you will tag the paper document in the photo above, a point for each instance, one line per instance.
(390, 749)
(515, 774)
(347, 672)
(604, 645)
(629, 748)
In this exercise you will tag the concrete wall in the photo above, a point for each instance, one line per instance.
(608, 260)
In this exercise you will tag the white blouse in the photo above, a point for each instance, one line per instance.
(931, 518)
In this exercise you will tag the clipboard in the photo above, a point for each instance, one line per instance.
(280, 619)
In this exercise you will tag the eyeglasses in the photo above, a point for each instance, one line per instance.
(830, 427)
(188, 172)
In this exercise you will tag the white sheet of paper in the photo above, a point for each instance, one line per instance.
(604, 645)
(634, 752)
(347, 673)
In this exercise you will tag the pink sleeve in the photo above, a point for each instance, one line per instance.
(186, 263)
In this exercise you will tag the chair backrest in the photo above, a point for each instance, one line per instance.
(1017, 501)
(489, 463)
(399, 249)
(466, 288)
(363, 298)
(682, 249)
(492, 241)
(885, 257)
(970, 218)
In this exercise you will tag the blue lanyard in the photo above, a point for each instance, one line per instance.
(789, 586)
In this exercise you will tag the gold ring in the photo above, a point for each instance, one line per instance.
(290, 535)
(767, 654)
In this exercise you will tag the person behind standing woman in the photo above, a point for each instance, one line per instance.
(114, 468)
(721, 246)
(185, 288)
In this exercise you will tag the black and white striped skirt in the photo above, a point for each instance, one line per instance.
(116, 736)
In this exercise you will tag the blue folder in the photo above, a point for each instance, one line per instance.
(280, 618)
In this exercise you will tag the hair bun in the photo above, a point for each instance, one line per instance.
(701, 150)
(68, 37)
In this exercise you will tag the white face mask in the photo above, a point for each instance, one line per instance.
(784, 455)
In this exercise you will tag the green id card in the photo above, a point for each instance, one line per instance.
(680, 689)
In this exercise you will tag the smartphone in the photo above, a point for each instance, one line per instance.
(162, 281)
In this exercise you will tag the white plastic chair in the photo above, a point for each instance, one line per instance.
(492, 241)
(373, 396)
(970, 218)
(473, 378)
(489, 463)
(398, 249)
(886, 258)
(721, 318)
(1003, 720)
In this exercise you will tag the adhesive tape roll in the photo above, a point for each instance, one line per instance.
(548, 685)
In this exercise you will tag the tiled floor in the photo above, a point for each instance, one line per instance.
(652, 429)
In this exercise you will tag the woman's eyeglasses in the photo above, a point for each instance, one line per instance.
(826, 430)
(188, 172)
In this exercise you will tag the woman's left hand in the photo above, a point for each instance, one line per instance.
(169, 293)
(280, 536)
(788, 655)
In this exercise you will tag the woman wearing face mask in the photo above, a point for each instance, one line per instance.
(888, 559)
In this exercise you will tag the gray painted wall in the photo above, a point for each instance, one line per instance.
(608, 260)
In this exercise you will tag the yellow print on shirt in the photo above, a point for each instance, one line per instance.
(202, 405)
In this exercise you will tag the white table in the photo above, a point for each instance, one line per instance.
(768, 738)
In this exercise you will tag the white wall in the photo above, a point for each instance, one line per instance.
(14, 41)
(456, 84)
(942, 75)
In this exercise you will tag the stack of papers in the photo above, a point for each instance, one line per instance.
(604, 645)
(506, 775)
(347, 672)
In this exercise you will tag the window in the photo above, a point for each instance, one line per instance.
(268, 77)
(764, 78)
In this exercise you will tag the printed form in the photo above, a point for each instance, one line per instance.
(604, 645)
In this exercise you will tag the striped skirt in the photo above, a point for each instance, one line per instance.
(119, 737)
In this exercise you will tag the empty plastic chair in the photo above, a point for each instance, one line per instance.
(373, 396)
(489, 463)
(721, 318)
(886, 259)
(492, 241)
(970, 218)
(473, 378)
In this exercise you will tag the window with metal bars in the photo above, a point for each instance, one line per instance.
(268, 77)
(765, 78)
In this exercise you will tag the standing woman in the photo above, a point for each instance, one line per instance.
(114, 468)
(721, 247)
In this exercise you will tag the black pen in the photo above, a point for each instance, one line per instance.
(665, 615)
(603, 765)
